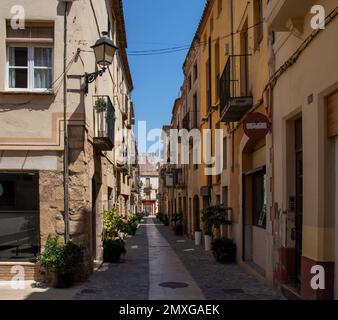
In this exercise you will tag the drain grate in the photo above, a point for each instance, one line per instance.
(233, 291)
(173, 285)
(89, 291)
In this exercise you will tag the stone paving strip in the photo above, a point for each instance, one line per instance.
(217, 281)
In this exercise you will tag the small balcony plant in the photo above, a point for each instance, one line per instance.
(100, 105)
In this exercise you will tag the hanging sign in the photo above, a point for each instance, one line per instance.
(256, 126)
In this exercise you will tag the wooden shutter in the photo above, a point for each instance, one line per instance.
(332, 114)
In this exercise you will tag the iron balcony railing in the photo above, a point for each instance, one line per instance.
(104, 123)
(234, 88)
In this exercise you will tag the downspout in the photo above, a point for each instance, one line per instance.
(232, 45)
(210, 115)
(65, 132)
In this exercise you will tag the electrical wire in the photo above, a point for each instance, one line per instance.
(170, 50)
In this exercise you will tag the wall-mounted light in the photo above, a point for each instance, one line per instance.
(104, 50)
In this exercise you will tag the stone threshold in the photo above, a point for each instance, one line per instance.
(17, 263)
(290, 292)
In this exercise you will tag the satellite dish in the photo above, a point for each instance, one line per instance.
(1, 190)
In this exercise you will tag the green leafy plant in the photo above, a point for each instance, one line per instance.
(224, 250)
(215, 216)
(177, 219)
(100, 105)
(64, 260)
(113, 224)
(131, 225)
(113, 249)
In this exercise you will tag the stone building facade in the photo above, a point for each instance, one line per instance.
(32, 146)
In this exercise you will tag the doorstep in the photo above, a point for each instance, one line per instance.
(290, 292)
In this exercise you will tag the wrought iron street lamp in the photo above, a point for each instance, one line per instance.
(104, 50)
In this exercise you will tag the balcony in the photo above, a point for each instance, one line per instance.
(104, 123)
(125, 108)
(235, 96)
(280, 13)
(148, 187)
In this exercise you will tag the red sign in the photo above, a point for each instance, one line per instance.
(256, 126)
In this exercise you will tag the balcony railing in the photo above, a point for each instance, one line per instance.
(235, 95)
(104, 123)
(280, 13)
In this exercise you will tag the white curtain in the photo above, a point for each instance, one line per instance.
(42, 58)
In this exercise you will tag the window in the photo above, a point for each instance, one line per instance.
(225, 153)
(219, 7)
(19, 216)
(195, 72)
(195, 115)
(30, 58)
(190, 82)
(225, 197)
(211, 25)
(258, 21)
(217, 69)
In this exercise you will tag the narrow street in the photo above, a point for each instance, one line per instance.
(161, 266)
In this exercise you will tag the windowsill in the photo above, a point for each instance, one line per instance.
(47, 93)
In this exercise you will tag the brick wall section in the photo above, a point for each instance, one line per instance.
(31, 272)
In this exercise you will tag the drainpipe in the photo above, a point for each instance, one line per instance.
(232, 45)
(65, 132)
(210, 114)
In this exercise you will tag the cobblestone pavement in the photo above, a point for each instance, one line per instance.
(179, 261)
(217, 281)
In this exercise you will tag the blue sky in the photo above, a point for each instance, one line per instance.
(157, 24)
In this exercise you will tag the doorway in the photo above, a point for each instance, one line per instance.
(197, 224)
(93, 216)
(336, 219)
(298, 230)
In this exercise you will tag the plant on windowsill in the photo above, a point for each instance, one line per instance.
(63, 260)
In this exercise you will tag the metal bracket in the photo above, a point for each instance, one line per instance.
(91, 77)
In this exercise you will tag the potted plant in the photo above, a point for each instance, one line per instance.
(165, 220)
(224, 250)
(63, 260)
(113, 249)
(207, 219)
(198, 237)
(176, 219)
(131, 225)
